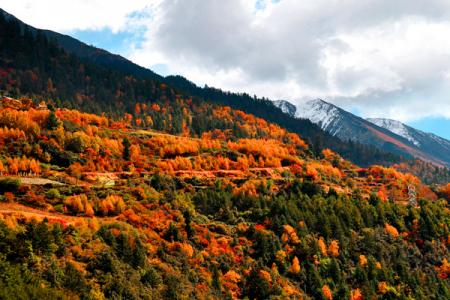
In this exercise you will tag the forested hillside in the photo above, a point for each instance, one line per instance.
(230, 207)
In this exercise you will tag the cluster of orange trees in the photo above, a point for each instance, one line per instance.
(243, 143)
(23, 165)
(246, 209)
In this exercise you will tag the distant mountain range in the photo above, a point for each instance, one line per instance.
(427, 142)
(386, 134)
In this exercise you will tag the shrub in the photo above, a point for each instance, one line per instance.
(53, 194)
(9, 184)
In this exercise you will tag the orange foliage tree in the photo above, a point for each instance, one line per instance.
(327, 292)
(295, 267)
(322, 246)
(333, 249)
(391, 230)
(79, 204)
(112, 204)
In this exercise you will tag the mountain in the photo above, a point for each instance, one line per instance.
(100, 56)
(427, 142)
(329, 117)
(286, 107)
(46, 65)
(91, 53)
(388, 136)
(398, 128)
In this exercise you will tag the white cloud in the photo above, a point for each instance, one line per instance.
(374, 55)
(69, 15)
(398, 70)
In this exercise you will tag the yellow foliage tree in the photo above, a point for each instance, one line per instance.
(79, 204)
(265, 275)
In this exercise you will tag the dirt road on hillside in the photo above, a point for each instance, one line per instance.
(18, 210)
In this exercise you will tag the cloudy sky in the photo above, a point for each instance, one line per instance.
(376, 58)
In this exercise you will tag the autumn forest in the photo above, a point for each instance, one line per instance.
(120, 186)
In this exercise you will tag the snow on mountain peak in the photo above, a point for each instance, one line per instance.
(321, 113)
(286, 107)
(396, 127)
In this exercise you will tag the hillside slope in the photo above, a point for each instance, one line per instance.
(90, 53)
(243, 211)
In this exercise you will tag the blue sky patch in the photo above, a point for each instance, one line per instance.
(117, 43)
(439, 126)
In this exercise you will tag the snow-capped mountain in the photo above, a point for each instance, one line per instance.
(427, 142)
(335, 120)
(388, 135)
(396, 127)
(328, 116)
(286, 106)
